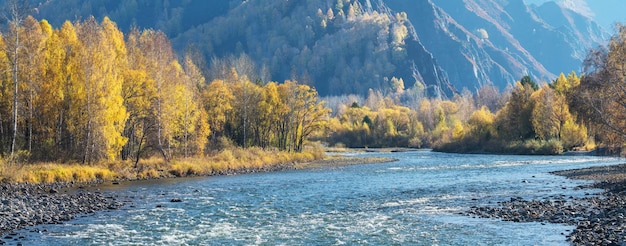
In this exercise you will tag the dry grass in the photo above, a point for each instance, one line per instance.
(51, 172)
(239, 159)
(227, 161)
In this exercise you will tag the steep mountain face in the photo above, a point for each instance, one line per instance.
(605, 13)
(496, 41)
(350, 46)
(468, 57)
(579, 31)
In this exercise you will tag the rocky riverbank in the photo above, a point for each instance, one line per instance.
(599, 220)
(24, 205)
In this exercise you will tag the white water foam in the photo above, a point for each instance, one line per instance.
(410, 202)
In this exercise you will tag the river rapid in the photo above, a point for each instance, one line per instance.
(413, 201)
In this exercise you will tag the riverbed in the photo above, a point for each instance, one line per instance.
(416, 200)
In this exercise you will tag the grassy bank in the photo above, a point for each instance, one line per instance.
(229, 161)
(527, 147)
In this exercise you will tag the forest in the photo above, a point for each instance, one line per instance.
(86, 92)
(527, 119)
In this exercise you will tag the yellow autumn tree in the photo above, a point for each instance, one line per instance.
(481, 124)
(269, 110)
(218, 102)
(513, 121)
(52, 93)
(195, 112)
(5, 98)
(247, 97)
(573, 134)
(174, 109)
(96, 88)
(285, 115)
(573, 79)
(115, 114)
(75, 92)
(399, 118)
(309, 113)
(14, 49)
(561, 85)
(548, 113)
(164, 71)
(32, 47)
(138, 91)
(602, 93)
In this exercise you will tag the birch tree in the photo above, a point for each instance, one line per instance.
(16, 12)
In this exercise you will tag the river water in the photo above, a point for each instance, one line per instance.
(413, 201)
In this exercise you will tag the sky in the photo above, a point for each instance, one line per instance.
(604, 12)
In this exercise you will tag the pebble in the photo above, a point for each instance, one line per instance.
(599, 220)
(24, 205)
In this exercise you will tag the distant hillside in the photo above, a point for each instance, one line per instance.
(604, 12)
(350, 46)
(172, 17)
(520, 40)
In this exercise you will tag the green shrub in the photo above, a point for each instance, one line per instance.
(553, 147)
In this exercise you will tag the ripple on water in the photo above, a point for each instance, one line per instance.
(410, 202)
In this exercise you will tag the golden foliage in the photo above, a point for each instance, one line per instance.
(49, 173)
(573, 135)
(481, 124)
(234, 160)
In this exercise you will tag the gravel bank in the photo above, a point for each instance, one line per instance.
(599, 220)
(23, 205)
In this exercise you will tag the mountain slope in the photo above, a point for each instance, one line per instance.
(606, 12)
(521, 40)
(350, 46)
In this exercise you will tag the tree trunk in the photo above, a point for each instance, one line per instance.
(30, 123)
(15, 91)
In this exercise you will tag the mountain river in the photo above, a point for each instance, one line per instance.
(413, 201)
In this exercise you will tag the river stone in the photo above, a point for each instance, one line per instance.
(24, 205)
(599, 219)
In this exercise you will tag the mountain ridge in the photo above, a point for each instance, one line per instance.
(351, 46)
